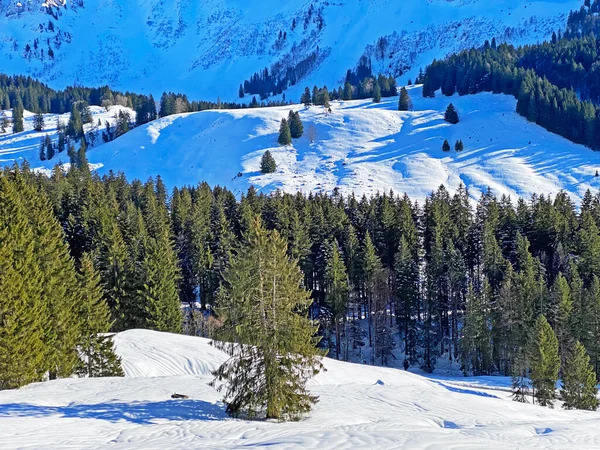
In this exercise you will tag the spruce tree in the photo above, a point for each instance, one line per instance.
(306, 99)
(285, 135)
(59, 282)
(459, 147)
(75, 124)
(296, 126)
(347, 94)
(158, 293)
(42, 150)
(17, 118)
(23, 348)
(49, 147)
(451, 115)
(267, 163)
(376, 93)
(3, 122)
(404, 103)
(545, 362)
(337, 291)
(38, 122)
(446, 145)
(97, 349)
(266, 332)
(579, 383)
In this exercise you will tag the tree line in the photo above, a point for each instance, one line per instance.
(556, 83)
(390, 277)
(52, 307)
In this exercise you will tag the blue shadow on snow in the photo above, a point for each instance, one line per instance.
(135, 412)
(464, 391)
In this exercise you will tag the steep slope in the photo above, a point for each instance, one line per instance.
(206, 49)
(360, 407)
(360, 147)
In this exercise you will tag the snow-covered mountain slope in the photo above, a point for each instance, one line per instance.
(206, 49)
(26, 145)
(360, 147)
(360, 407)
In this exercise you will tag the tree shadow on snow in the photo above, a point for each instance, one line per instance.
(135, 412)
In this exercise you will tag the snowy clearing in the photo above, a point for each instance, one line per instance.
(361, 147)
(360, 407)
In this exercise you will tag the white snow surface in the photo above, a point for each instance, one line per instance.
(360, 407)
(360, 147)
(207, 48)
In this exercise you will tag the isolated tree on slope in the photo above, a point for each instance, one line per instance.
(296, 126)
(579, 389)
(446, 146)
(3, 122)
(267, 163)
(285, 135)
(17, 119)
(451, 115)
(266, 331)
(545, 362)
(404, 103)
(38, 122)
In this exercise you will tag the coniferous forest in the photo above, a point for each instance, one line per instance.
(489, 287)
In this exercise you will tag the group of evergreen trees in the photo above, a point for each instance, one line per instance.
(289, 128)
(435, 280)
(52, 307)
(556, 83)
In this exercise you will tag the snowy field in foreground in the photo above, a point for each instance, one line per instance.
(360, 407)
(361, 147)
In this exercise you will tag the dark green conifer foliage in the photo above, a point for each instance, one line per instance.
(23, 315)
(3, 122)
(38, 122)
(266, 332)
(579, 383)
(451, 115)
(296, 126)
(75, 125)
(347, 94)
(376, 93)
(17, 118)
(97, 349)
(459, 147)
(306, 98)
(544, 361)
(59, 283)
(404, 103)
(337, 292)
(285, 135)
(446, 145)
(267, 163)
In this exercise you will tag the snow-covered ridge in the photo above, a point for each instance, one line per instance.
(360, 147)
(360, 407)
(206, 49)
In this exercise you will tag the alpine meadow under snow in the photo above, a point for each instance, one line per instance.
(359, 147)
(360, 407)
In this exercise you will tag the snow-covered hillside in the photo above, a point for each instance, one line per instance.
(361, 407)
(206, 49)
(360, 147)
